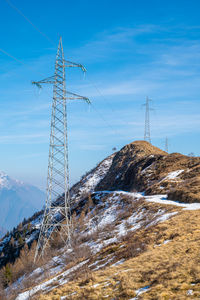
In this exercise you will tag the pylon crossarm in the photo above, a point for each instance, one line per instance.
(70, 64)
(50, 80)
(78, 97)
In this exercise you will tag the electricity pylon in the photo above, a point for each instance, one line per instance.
(57, 216)
(166, 145)
(147, 136)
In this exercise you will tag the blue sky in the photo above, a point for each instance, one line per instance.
(131, 49)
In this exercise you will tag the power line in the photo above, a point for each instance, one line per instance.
(11, 56)
(97, 111)
(100, 93)
(105, 121)
(44, 35)
(17, 60)
(108, 105)
(29, 21)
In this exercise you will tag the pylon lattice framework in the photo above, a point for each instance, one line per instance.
(57, 216)
(166, 145)
(147, 136)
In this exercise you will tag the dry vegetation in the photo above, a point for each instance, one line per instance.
(131, 244)
(141, 166)
(164, 257)
(171, 270)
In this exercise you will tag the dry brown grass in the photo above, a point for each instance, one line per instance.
(141, 166)
(169, 269)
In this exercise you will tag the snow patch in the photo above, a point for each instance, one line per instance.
(166, 216)
(141, 291)
(173, 175)
(48, 285)
(162, 199)
(190, 292)
(89, 182)
(118, 263)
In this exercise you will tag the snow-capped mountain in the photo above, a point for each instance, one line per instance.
(18, 200)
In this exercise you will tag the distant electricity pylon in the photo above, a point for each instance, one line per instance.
(166, 145)
(57, 216)
(147, 136)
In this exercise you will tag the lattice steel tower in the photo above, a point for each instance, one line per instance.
(147, 136)
(57, 216)
(166, 145)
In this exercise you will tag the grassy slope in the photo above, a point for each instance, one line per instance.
(170, 269)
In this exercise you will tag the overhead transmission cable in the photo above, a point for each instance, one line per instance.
(32, 24)
(108, 105)
(100, 94)
(11, 56)
(44, 35)
(105, 121)
(29, 21)
(92, 105)
(94, 108)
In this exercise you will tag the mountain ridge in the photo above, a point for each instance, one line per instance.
(121, 213)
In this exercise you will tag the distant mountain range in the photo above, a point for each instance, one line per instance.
(18, 200)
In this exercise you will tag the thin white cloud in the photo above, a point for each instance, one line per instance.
(106, 43)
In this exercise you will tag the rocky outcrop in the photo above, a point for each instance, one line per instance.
(129, 165)
(141, 166)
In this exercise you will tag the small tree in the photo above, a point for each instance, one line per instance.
(81, 220)
(90, 201)
(7, 275)
(29, 226)
(20, 240)
(12, 242)
(74, 221)
(19, 227)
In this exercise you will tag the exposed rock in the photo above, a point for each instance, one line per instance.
(126, 171)
(143, 167)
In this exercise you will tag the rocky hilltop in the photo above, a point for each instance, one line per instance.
(143, 167)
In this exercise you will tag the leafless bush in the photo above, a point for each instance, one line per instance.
(84, 238)
(83, 273)
(123, 214)
(80, 252)
(2, 291)
(107, 231)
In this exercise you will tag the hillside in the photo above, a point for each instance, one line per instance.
(131, 239)
(165, 267)
(143, 167)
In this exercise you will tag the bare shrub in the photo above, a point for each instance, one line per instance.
(83, 273)
(57, 241)
(80, 252)
(2, 290)
(123, 214)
